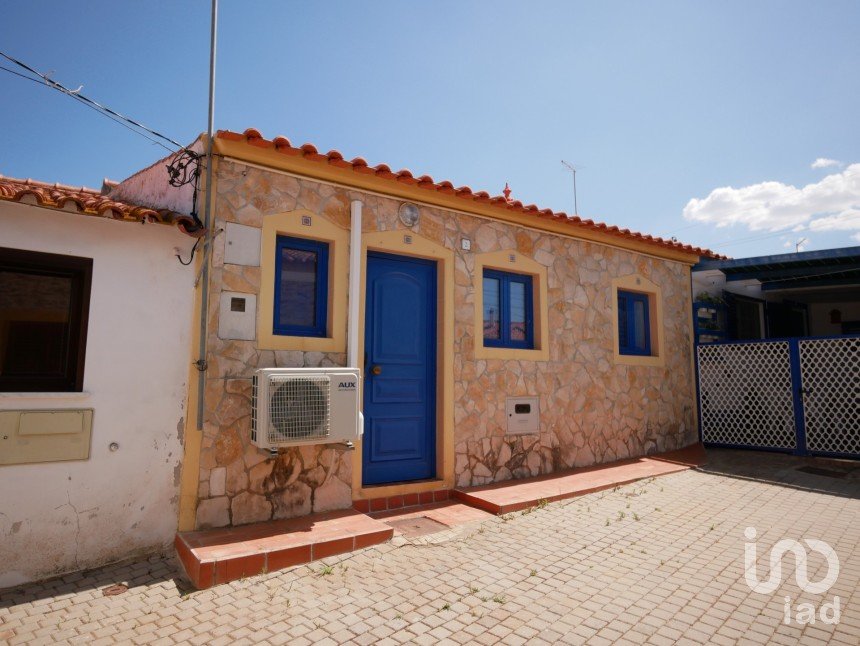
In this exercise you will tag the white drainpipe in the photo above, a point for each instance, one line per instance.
(354, 292)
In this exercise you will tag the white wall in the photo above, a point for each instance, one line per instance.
(819, 317)
(150, 187)
(714, 282)
(66, 516)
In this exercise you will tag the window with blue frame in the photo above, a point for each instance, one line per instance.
(301, 287)
(634, 325)
(508, 310)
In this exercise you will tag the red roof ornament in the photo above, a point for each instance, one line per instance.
(507, 192)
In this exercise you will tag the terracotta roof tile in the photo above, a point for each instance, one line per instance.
(359, 165)
(87, 201)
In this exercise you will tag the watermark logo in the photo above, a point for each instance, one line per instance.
(829, 612)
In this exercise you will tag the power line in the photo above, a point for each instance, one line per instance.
(23, 76)
(123, 120)
(734, 241)
(124, 125)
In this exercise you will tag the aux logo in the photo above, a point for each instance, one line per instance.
(805, 611)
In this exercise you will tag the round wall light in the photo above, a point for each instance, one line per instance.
(408, 214)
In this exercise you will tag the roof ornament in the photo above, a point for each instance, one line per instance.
(507, 192)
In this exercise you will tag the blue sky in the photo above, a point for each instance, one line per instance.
(727, 103)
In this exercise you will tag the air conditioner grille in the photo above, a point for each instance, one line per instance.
(299, 408)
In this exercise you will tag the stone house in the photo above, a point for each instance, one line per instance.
(473, 308)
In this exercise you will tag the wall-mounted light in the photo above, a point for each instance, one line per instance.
(409, 214)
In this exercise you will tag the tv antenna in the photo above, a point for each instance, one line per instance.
(799, 244)
(573, 170)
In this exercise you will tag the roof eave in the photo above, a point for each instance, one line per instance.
(328, 168)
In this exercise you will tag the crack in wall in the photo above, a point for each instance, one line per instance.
(77, 522)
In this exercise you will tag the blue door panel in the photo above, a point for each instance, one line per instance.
(400, 340)
(401, 300)
(396, 438)
(398, 391)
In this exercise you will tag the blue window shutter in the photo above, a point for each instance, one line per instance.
(516, 301)
(623, 342)
(303, 310)
(634, 324)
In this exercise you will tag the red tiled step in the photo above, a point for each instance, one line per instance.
(216, 556)
(446, 514)
(514, 495)
(401, 501)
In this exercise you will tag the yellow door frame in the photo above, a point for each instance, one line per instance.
(406, 243)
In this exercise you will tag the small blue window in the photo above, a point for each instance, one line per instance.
(507, 310)
(301, 287)
(634, 325)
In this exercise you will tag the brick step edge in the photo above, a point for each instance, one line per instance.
(205, 574)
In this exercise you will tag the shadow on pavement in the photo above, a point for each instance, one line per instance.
(138, 572)
(822, 475)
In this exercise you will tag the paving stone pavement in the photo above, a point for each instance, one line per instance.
(659, 561)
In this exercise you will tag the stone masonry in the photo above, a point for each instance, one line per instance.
(592, 409)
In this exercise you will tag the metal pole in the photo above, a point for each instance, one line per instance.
(207, 220)
(572, 169)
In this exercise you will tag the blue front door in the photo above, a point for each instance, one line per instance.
(399, 441)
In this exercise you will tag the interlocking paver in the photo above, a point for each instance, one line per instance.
(657, 561)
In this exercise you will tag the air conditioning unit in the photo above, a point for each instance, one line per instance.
(294, 406)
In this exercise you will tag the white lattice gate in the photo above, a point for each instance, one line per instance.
(797, 395)
(830, 374)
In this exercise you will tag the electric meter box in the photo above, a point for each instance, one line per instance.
(523, 415)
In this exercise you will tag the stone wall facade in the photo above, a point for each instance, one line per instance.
(592, 409)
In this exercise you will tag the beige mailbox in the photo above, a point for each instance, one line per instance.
(28, 436)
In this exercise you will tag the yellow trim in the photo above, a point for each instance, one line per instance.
(193, 440)
(346, 177)
(320, 228)
(521, 265)
(395, 242)
(640, 284)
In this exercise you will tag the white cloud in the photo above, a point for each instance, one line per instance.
(824, 162)
(830, 204)
(847, 220)
(856, 237)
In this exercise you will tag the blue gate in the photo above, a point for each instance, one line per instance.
(799, 395)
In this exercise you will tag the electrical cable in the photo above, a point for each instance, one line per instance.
(23, 76)
(124, 125)
(191, 258)
(98, 107)
(734, 241)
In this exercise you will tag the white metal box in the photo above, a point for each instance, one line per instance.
(237, 316)
(523, 415)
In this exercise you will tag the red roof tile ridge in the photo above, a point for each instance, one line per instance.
(37, 184)
(88, 201)
(281, 144)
